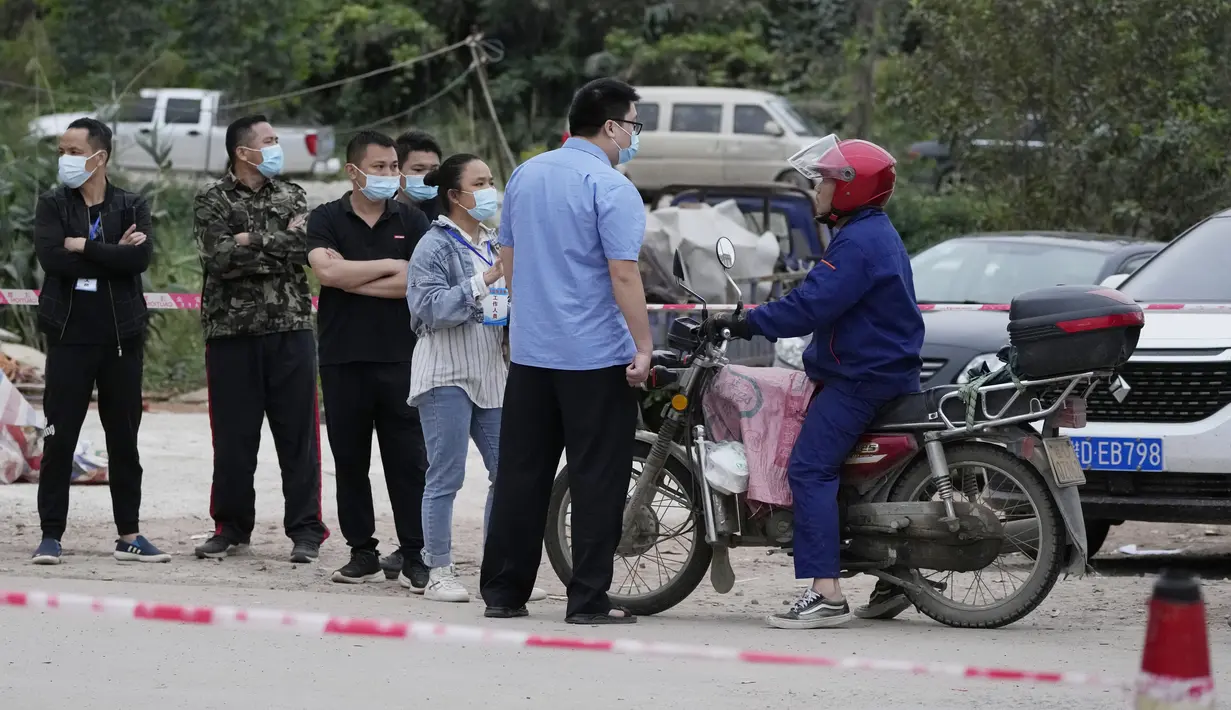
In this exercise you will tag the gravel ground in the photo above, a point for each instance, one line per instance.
(177, 455)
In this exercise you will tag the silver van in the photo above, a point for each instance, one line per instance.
(714, 136)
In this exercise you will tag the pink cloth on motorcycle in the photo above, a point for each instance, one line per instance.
(764, 408)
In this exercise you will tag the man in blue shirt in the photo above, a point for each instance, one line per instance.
(570, 236)
(859, 305)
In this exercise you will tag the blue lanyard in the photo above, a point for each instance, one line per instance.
(94, 227)
(466, 243)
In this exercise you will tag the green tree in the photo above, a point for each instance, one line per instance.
(1133, 101)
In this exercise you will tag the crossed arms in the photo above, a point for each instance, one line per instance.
(78, 257)
(234, 256)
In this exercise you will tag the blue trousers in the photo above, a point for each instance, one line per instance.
(835, 421)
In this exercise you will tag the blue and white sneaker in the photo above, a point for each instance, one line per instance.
(48, 552)
(139, 550)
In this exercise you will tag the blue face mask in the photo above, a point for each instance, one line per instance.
(72, 172)
(484, 204)
(417, 191)
(271, 161)
(627, 154)
(379, 188)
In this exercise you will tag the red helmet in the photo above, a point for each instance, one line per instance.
(864, 172)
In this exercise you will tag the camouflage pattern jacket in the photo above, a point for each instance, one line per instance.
(259, 288)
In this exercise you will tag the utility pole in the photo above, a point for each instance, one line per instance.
(865, 72)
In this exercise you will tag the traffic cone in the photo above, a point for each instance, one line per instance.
(1175, 664)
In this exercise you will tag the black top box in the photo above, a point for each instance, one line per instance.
(1066, 330)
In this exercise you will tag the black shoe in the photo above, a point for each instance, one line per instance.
(505, 612)
(414, 574)
(392, 564)
(812, 611)
(364, 566)
(216, 548)
(305, 552)
(886, 602)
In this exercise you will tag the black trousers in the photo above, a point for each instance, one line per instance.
(72, 372)
(361, 397)
(251, 378)
(591, 416)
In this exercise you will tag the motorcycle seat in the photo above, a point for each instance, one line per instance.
(918, 410)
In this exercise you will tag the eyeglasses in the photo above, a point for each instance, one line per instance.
(635, 124)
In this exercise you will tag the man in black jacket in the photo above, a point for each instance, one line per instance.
(93, 241)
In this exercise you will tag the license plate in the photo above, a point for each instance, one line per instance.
(1107, 453)
(1065, 467)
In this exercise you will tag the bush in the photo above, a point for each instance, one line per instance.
(925, 217)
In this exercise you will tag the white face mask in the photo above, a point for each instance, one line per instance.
(71, 169)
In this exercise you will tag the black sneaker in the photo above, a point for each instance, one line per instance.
(305, 552)
(886, 602)
(812, 611)
(364, 566)
(392, 564)
(414, 575)
(216, 548)
(505, 612)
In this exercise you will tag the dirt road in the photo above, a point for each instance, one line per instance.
(1094, 623)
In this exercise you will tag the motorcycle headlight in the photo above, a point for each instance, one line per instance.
(993, 363)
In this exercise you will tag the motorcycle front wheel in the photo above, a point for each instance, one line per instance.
(1020, 578)
(664, 559)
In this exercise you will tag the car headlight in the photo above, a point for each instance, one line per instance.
(993, 363)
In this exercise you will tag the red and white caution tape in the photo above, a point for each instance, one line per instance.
(325, 625)
(192, 302)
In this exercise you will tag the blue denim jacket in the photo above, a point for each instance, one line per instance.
(438, 284)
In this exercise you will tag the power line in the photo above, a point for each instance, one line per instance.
(469, 41)
(448, 88)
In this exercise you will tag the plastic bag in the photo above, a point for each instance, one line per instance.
(89, 465)
(726, 467)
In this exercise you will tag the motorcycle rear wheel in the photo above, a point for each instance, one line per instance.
(1048, 559)
(679, 585)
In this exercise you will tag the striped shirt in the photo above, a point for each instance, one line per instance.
(469, 355)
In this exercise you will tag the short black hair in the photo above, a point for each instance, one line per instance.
(240, 131)
(448, 177)
(358, 145)
(596, 103)
(98, 134)
(414, 141)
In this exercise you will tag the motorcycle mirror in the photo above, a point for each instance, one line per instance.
(677, 267)
(726, 252)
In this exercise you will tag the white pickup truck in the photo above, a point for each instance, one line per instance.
(190, 124)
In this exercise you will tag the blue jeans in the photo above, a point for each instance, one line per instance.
(449, 421)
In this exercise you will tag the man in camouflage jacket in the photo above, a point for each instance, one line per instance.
(260, 353)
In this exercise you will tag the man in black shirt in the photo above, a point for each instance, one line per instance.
(93, 241)
(359, 246)
(418, 155)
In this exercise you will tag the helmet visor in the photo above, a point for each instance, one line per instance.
(822, 160)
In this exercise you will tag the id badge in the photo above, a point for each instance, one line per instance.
(87, 284)
(496, 307)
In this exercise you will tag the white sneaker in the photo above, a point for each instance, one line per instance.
(444, 586)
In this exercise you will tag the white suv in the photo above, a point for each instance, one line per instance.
(1164, 453)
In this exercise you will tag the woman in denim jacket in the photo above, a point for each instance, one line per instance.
(459, 310)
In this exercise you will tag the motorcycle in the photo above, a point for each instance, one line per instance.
(948, 486)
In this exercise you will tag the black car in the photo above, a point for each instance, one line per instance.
(993, 268)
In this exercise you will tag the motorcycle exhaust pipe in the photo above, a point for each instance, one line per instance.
(1021, 536)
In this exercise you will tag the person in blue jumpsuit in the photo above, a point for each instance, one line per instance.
(859, 305)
